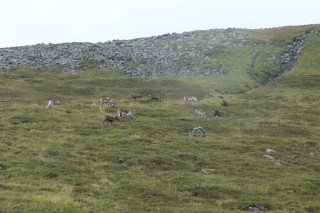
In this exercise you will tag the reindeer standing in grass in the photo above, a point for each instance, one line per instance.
(49, 104)
(135, 97)
(108, 101)
(218, 113)
(200, 113)
(109, 120)
(125, 113)
(190, 99)
(155, 97)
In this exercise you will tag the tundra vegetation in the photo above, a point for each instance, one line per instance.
(64, 160)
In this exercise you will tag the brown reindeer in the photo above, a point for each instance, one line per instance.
(155, 97)
(135, 97)
(218, 113)
(109, 120)
(224, 103)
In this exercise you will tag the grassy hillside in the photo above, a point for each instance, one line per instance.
(64, 160)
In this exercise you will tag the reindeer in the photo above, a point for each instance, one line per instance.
(200, 113)
(190, 98)
(155, 97)
(125, 113)
(109, 120)
(108, 101)
(224, 103)
(218, 113)
(135, 97)
(49, 104)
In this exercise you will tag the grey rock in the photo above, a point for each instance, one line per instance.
(257, 208)
(166, 55)
(270, 151)
(188, 53)
(198, 131)
(269, 157)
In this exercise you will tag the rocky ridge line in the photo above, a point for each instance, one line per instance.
(165, 55)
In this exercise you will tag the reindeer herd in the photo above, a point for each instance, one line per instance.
(121, 113)
(153, 97)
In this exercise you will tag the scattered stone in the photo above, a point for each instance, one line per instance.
(270, 152)
(311, 154)
(203, 171)
(257, 208)
(253, 209)
(198, 131)
(269, 157)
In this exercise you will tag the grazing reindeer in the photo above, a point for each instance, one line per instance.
(190, 98)
(125, 113)
(49, 104)
(200, 113)
(218, 113)
(108, 101)
(155, 97)
(135, 97)
(109, 120)
(224, 103)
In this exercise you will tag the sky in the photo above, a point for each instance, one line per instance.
(28, 22)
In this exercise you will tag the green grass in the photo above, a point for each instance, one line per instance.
(64, 160)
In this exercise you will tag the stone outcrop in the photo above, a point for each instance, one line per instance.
(291, 53)
(165, 55)
(198, 132)
(189, 54)
(281, 62)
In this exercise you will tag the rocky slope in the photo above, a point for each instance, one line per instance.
(166, 55)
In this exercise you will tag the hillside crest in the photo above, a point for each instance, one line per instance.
(195, 53)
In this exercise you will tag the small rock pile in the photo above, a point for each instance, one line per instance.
(270, 154)
(198, 131)
(257, 208)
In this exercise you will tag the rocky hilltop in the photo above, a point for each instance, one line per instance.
(188, 53)
(165, 55)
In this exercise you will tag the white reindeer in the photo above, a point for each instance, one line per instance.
(49, 104)
(108, 101)
(200, 113)
(125, 113)
(190, 98)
